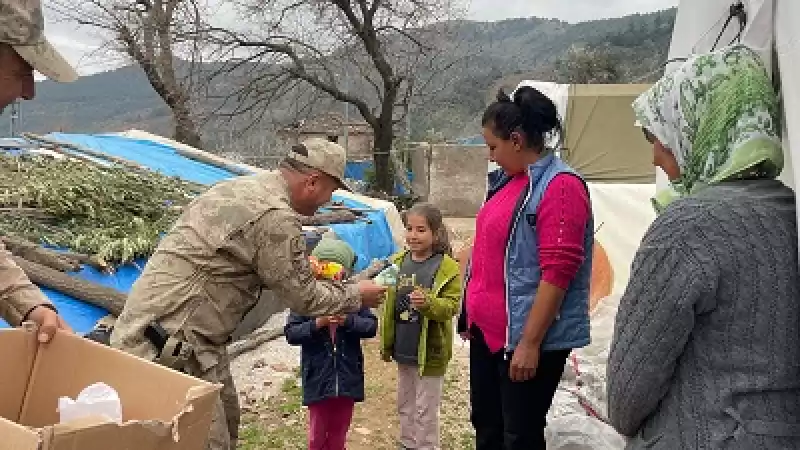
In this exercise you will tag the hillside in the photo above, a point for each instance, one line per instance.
(500, 53)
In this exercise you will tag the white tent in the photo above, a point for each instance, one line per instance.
(771, 27)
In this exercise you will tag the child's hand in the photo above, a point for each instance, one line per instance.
(417, 298)
(337, 320)
(322, 322)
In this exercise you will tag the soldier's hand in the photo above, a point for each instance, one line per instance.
(337, 319)
(372, 294)
(322, 322)
(49, 322)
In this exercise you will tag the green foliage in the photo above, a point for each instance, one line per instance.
(112, 212)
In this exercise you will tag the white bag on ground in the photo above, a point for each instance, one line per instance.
(99, 399)
(581, 432)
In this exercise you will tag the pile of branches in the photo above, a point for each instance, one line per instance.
(115, 214)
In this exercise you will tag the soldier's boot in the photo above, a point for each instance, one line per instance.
(219, 437)
(226, 416)
(230, 404)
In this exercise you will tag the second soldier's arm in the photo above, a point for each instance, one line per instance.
(18, 296)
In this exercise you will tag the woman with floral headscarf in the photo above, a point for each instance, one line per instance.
(706, 349)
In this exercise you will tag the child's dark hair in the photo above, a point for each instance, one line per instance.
(529, 112)
(432, 215)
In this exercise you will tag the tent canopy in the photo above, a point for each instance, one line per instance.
(601, 142)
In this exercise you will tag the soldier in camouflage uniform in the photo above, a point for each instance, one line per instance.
(24, 49)
(240, 237)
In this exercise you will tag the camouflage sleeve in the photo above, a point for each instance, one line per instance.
(282, 264)
(17, 294)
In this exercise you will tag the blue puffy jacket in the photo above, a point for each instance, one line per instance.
(332, 371)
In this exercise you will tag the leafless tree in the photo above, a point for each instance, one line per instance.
(161, 37)
(380, 56)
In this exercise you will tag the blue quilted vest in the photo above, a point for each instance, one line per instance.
(522, 272)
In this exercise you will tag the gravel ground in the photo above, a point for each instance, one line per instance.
(259, 374)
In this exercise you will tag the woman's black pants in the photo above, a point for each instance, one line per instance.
(510, 415)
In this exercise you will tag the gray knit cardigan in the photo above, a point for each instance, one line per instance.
(706, 349)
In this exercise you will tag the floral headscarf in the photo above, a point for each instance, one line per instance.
(719, 116)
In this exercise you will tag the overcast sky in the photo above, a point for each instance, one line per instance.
(78, 46)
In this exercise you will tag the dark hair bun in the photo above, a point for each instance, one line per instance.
(529, 112)
(538, 111)
(502, 97)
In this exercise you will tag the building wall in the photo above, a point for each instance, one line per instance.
(457, 179)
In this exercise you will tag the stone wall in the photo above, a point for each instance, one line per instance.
(457, 178)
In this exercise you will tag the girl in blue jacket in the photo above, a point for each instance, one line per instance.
(332, 361)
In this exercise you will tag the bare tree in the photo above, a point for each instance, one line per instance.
(380, 56)
(590, 65)
(161, 37)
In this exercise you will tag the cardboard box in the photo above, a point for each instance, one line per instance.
(162, 409)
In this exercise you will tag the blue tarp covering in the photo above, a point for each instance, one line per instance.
(357, 170)
(161, 158)
(369, 240)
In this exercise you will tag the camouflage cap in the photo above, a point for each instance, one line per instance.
(323, 155)
(22, 26)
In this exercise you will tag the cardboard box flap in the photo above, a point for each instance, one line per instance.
(147, 391)
(95, 433)
(162, 409)
(17, 437)
(196, 393)
(19, 350)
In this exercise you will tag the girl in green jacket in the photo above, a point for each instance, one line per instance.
(417, 326)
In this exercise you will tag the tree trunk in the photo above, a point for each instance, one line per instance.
(185, 128)
(384, 181)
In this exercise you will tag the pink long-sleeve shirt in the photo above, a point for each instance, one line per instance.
(560, 225)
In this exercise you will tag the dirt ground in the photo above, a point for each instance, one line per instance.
(281, 422)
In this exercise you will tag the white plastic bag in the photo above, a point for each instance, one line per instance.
(581, 432)
(98, 399)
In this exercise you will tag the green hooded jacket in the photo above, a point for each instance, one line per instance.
(436, 340)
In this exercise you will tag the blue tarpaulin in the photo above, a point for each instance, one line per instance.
(372, 239)
(155, 156)
(357, 170)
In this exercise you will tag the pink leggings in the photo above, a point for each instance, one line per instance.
(328, 423)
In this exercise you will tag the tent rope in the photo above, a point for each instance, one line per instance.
(735, 11)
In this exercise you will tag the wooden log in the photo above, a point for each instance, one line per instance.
(213, 160)
(91, 260)
(34, 253)
(85, 150)
(328, 218)
(253, 341)
(104, 297)
(58, 146)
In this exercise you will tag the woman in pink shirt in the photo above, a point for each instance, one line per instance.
(527, 285)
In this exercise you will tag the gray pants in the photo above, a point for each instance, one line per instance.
(418, 401)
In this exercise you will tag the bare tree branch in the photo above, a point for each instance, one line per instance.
(152, 33)
(380, 56)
